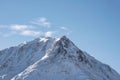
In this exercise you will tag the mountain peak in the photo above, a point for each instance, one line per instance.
(45, 58)
(63, 37)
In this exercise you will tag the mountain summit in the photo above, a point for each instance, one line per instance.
(47, 58)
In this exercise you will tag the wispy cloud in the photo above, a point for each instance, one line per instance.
(49, 33)
(30, 33)
(24, 30)
(34, 30)
(19, 27)
(42, 21)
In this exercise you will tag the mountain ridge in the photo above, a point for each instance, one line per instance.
(46, 57)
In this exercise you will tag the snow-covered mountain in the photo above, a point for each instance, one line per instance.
(47, 58)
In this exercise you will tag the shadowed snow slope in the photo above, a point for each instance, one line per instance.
(47, 58)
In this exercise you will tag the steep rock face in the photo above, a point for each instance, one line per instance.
(52, 59)
(18, 58)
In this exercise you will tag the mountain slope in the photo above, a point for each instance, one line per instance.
(52, 59)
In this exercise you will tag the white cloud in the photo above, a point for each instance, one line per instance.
(48, 33)
(18, 27)
(42, 21)
(30, 33)
(24, 30)
(32, 30)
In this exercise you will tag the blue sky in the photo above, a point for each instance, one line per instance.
(93, 25)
